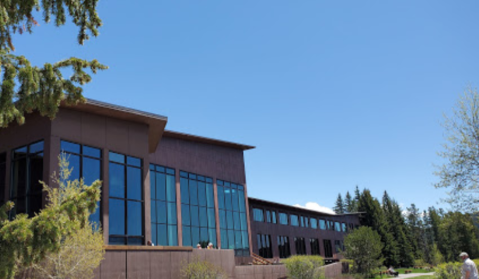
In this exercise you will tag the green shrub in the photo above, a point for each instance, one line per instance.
(199, 269)
(304, 267)
(448, 271)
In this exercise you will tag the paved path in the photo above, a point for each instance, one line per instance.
(412, 275)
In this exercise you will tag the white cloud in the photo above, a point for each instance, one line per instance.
(316, 207)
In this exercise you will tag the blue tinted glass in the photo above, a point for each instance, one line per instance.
(134, 186)
(152, 185)
(115, 157)
(209, 180)
(170, 188)
(219, 182)
(294, 220)
(36, 147)
(235, 199)
(153, 211)
(66, 146)
(154, 236)
(203, 217)
(91, 170)
(244, 223)
(132, 161)
(192, 176)
(160, 186)
(242, 207)
(229, 219)
(171, 213)
(185, 193)
(172, 235)
(152, 167)
(204, 235)
(187, 236)
(92, 152)
(202, 193)
(193, 192)
(231, 239)
(224, 239)
(183, 174)
(135, 241)
(170, 171)
(210, 196)
(74, 166)
(222, 219)
(245, 239)
(162, 235)
(238, 243)
(95, 216)
(194, 216)
(185, 214)
(161, 212)
(221, 197)
(227, 192)
(19, 152)
(195, 235)
(201, 178)
(212, 236)
(117, 240)
(135, 218)
(211, 218)
(237, 223)
(117, 180)
(227, 184)
(117, 217)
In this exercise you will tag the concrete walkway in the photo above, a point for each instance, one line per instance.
(412, 275)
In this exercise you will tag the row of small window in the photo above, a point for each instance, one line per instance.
(265, 246)
(260, 215)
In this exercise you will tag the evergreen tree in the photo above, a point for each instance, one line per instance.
(25, 88)
(374, 217)
(357, 196)
(339, 206)
(348, 203)
(414, 224)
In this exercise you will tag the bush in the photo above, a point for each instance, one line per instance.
(448, 271)
(364, 247)
(304, 267)
(199, 269)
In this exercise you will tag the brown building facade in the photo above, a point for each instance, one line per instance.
(171, 188)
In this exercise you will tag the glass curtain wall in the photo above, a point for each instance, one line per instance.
(126, 200)
(233, 222)
(85, 162)
(3, 171)
(197, 209)
(27, 171)
(264, 246)
(164, 229)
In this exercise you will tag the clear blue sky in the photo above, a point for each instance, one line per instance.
(334, 94)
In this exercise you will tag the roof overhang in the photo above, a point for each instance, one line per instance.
(156, 123)
(188, 137)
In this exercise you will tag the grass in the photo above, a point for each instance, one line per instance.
(414, 270)
(424, 277)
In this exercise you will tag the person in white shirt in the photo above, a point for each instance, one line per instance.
(469, 268)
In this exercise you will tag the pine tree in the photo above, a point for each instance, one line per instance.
(25, 88)
(414, 223)
(348, 203)
(339, 206)
(357, 196)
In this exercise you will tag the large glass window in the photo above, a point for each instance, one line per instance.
(314, 223)
(85, 162)
(27, 172)
(3, 171)
(284, 247)
(271, 216)
(126, 200)
(283, 218)
(197, 209)
(322, 224)
(294, 220)
(314, 242)
(258, 215)
(264, 246)
(338, 246)
(164, 230)
(337, 226)
(328, 249)
(233, 221)
(300, 245)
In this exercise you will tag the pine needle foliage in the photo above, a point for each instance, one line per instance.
(25, 88)
(25, 242)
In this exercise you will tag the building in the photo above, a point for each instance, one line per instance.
(169, 187)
